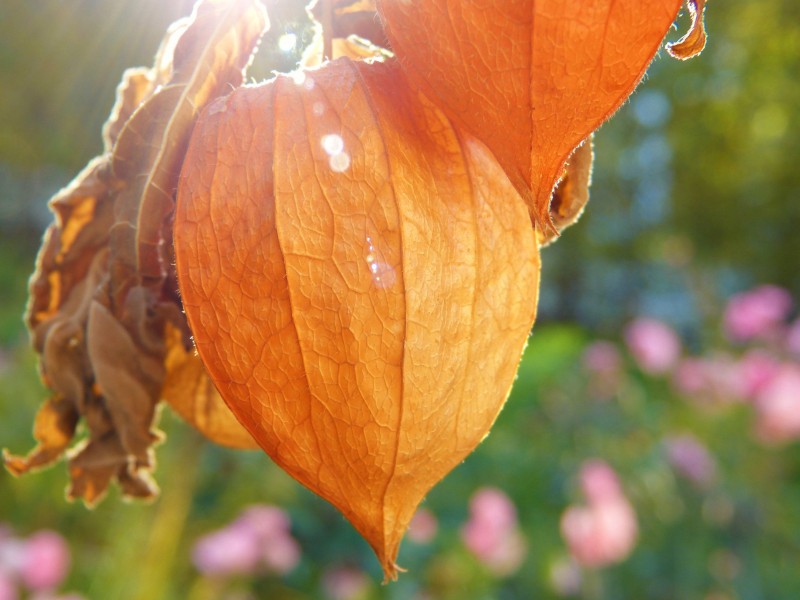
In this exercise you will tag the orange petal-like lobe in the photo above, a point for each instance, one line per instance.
(530, 78)
(188, 390)
(360, 278)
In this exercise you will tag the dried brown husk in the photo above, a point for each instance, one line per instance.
(694, 41)
(103, 312)
(571, 193)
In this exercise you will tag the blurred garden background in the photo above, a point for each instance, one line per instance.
(648, 449)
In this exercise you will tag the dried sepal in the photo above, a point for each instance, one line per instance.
(136, 85)
(59, 336)
(53, 429)
(139, 83)
(208, 60)
(571, 193)
(126, 377)
(83, 215)
(693, 42)
(96, 317)
(96, 462)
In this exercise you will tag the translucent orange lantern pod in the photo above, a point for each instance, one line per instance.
(530, 78)
(360, 278)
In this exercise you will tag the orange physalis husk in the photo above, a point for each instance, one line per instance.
(360, 277)
(530, 78)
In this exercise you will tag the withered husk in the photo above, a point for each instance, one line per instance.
(103, 311)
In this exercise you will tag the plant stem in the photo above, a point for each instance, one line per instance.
(169, 522)
(327, 29)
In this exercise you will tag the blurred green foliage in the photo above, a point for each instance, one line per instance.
(695, 196)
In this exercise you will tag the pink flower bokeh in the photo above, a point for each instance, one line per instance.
(227, 551)
(603, 363)
(604, 530)
(492, 532)
(602, 357)
(691, 459)
(653, 344)
(259, 539)
(279, 552)
(423, 527)
(345, 583)
(46, 561)
(38, 564)
(756, 313)
(8, 589)
(778, 407)
(717, 378)
(689, 377)
(757, 368)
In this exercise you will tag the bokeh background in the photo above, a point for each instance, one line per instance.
(647, 449)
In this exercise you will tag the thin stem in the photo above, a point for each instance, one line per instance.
(327, 29)
(169, 522)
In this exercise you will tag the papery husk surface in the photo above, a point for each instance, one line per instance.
(530, 78)
(360, 277)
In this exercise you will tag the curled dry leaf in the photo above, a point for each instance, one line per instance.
(360, 278)
(205, 64)
(571, 193)
(100, 302)
(201, 58)
(530, 78)
(691, 44)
